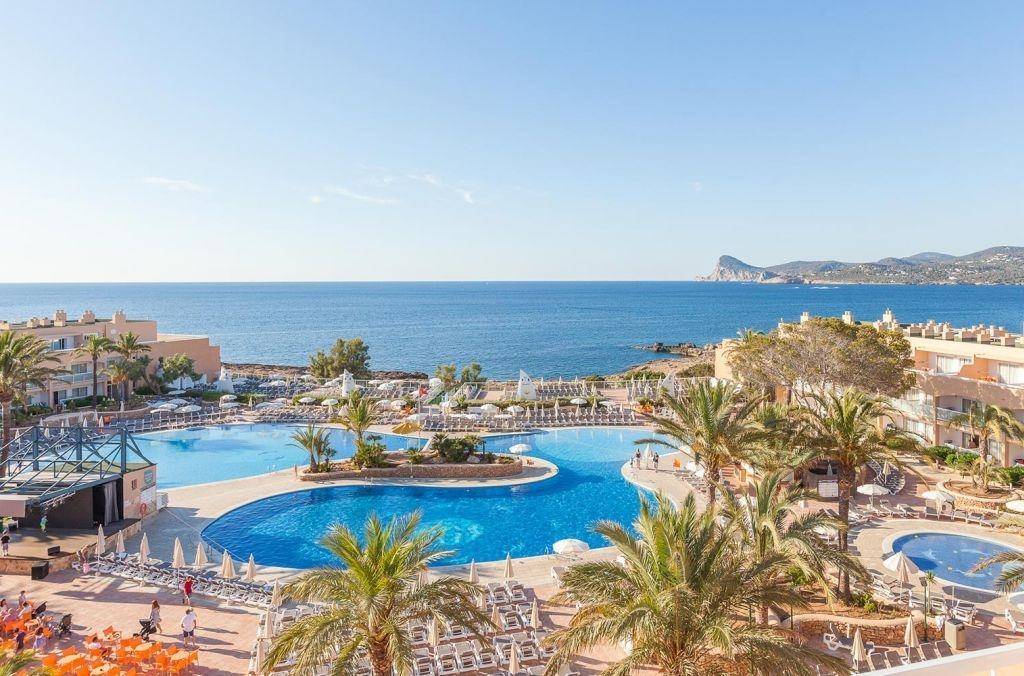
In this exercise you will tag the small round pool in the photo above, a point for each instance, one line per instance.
(951, 556)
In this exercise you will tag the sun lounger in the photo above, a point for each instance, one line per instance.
(556, 574)
(944, 649)
(894, 658)
(929, 651)
(877, 662)
(1016, 620)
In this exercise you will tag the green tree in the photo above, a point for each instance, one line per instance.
(121, 372)
(25, 361)
(771, 529)
(850, 430)
(824, 352)
(472, 374)
(95, 347)
(985, 422)
(714, 421)
(316, 442)
(351, 355)
(358, 416)
(179, 366)
(446, 373)
(372, 597)
(682, 598)
(131, 347)
(1011, 578)
(18, 662)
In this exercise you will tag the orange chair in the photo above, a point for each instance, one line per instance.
(49, 661)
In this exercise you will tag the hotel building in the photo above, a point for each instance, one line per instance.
(954, 369)
(66, 335)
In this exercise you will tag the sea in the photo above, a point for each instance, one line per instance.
(548, 329)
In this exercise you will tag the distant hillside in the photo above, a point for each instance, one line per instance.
(996, 265)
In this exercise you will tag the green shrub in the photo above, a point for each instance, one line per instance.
(370, 453)
(455, 449)
(1014, 476)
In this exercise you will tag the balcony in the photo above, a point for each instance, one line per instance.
(987, 391)
(76, 378)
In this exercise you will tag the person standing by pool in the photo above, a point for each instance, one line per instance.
(5, 542)
(188, 627)
(154, 617)
(655, 461)
(186, 590)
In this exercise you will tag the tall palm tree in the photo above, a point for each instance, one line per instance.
(713, 421)
(850, 430)
(372, 596)
(131, 347)
(777, 446)
(683, 600)
(358, 416)
(314, 441)
(986, 421)
(121, 373)
(25, 361)
(770, 528)
(95, 347)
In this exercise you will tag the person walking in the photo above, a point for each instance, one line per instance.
(655, 461)
(154, 617)
(186, 590)
(5, 543)
(188, 627)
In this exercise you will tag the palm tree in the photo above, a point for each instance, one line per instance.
(1012, 576)
(121, 373)
(777, 445)
(25, 361)
(95, 347)
(985, 421)
(770, 527)
(12, 662)
(131, 347)
(683, 600)
(372, 596)
(848, 430)
(713, 421)
(358, 416)
(316, 442)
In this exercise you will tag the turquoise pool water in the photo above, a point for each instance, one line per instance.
(480, 523)
(199, 455)
(951, 557)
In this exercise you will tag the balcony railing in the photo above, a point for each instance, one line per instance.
(77, 378)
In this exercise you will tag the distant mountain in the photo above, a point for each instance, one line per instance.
(996, 265)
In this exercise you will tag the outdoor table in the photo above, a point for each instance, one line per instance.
(70, 662)
(181, 657)
(144, 651)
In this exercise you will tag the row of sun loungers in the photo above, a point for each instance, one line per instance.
(890, 659)
(207, 583)
(967, 516)
(456, 650)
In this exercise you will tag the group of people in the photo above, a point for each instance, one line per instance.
(636, 462)
(26, 623)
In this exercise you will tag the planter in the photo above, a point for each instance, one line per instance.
(425, 471)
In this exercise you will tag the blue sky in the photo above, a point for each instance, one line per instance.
(328, 141)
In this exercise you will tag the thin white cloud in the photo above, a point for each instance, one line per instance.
(360, 197)
(697, 186)
(315, 199)
(437, 182)
(174, 184)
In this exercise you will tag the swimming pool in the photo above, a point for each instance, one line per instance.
(480, 523)
(951, 557)
(202, 454)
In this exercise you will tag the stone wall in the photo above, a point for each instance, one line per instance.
(439, 471)
(889, 632)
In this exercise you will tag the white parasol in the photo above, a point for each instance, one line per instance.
(101, 542)
(227, 566)
(178, 558)
(200, 561)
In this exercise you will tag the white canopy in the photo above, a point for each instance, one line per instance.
(200, 561)
(435, 382)
(119, 545)
(250, 569)
(519, 448)
(177, 402)
(144, 550)
(579, 401)
(228, 397)
(307, 400)
(525, 389)
(668, 383)
(227, 405)
(901, 564)
(489, 408)
(508, 568)
(178, 558)
(570, 546)
(101, 542)
(227, 566)
(910, 634)
(329, 402)
(348, 384)
(224, 383)
(937, 495)
(515, 409)
(191, 408)
(873, 489)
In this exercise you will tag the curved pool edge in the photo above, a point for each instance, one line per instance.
(887, 550)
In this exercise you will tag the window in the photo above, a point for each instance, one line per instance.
(949, 364)
(1011, 374)
(65, 343)
(80, 368)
